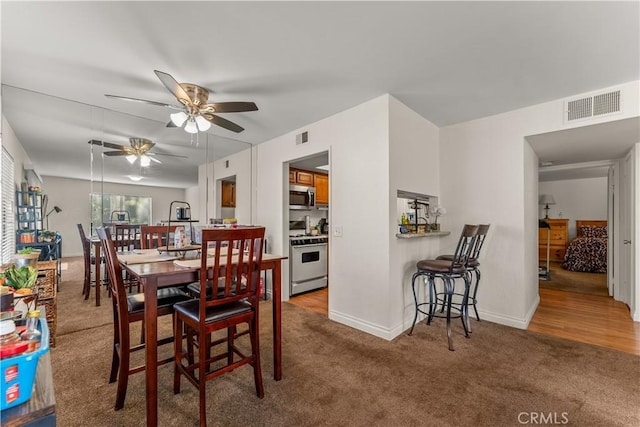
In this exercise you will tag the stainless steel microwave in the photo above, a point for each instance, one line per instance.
(301, 197)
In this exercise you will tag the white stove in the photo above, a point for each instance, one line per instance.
(307, 262)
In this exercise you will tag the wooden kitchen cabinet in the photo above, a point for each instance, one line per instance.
(301, 177)
(321, 183)
(558, 240)
(228, 194)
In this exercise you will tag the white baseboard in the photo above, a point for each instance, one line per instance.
(513, 322)
(390, 333)
(362, 325)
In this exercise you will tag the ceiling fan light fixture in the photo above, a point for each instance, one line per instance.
(145, 160)
(191, 126)
(135, 177)
(179, 118)
(131, 158)
(203, 124)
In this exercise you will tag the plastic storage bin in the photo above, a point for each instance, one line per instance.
(18, 373)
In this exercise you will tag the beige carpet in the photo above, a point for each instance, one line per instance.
(334, 375)
(572, 281)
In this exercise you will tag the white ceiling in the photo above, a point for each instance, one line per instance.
(298, 61)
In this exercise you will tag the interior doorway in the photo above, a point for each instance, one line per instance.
(226, 202)
(308, 232)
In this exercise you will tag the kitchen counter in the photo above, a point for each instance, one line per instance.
(418, 235)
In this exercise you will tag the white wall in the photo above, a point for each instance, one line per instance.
(239, 165)
(413, 166)
(72, 196)
(192, 196)
(14, 148)
(357, 140)
(576, 199)
(483, 179)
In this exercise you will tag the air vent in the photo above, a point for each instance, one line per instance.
(579, 109)
(606, 103)
(302, 138)
(598, 105)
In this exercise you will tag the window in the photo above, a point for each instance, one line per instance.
(7, 194)
(105, 209)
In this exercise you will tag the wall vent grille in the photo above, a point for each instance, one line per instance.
(606, 103)
(579, 109)
(597, 105)
(302, 138)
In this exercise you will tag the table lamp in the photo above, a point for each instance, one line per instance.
(546, 200)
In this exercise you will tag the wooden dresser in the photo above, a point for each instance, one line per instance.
(559, 238)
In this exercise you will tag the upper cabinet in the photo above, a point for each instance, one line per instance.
(301, 177)
(228, 194)
(321, 183)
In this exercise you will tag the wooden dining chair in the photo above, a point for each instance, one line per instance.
(127, 309)
(155, 236)
(89, 260)
(230, 298)
(126, 237)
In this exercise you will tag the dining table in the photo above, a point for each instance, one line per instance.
(155, 274)
(171, 253)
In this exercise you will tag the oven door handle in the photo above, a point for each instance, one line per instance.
(313, 245)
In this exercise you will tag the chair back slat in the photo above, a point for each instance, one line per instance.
(232, 272)
(155, 236)
(465, 246)
(483, 229)
(126, 237)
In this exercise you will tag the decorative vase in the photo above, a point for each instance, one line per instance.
(435, 227)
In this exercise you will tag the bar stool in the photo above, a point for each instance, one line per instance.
(473, 266)
(448, 271)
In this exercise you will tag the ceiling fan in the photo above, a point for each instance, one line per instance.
(196, 114)
(139, 149)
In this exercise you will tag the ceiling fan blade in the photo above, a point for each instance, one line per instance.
(116, 153)
(171, 124)
(229, 107)
(227, 124)
(174, 87)
(107, 144)
(144, 101)
(167, 155)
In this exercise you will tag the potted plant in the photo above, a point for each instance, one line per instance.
(26, 257)
(22, 280)
(435, 212)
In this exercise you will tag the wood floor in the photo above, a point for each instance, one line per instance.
(317, 301)
(574, 316)
(586, 318)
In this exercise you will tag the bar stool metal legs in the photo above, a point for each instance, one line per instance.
(448, 271)
(446, 300)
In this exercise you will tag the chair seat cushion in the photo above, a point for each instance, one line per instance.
(166, 297)
(472, 261)
(191, 309)
(438, 266)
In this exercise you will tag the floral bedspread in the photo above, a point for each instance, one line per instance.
(586, 254)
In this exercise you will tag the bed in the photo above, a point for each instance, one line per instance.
(588, 251)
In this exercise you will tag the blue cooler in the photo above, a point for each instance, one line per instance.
(19, 372)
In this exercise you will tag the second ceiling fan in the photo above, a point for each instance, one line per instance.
(139, 149)
(196, 113)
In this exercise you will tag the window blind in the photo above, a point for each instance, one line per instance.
(7, 194)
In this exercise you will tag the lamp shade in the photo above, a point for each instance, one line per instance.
(546, 199)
